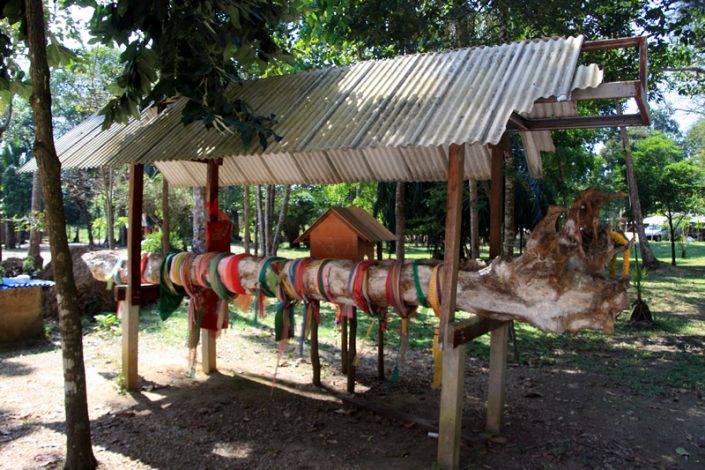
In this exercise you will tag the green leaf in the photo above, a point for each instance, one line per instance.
(682, 452)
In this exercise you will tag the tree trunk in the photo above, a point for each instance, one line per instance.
(109, 208)
(267, 227)
(669, 215)
(650, 260)
(509, 232)
(474, 221)
(400, 218)
(10, 236)
(89, 229)
(79, 453)
(260, 221)
(199, 220)
(246, 235)
(35, 234)
(166, 245)
(280, 219)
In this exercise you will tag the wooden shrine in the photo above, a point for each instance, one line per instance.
(345, 233)
(349, 233)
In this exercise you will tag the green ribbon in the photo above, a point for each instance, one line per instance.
(214, 277)
(169, 298)
(417, 283)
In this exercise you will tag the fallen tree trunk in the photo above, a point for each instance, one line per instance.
(557, 284)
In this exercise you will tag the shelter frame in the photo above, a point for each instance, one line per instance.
(454, 334)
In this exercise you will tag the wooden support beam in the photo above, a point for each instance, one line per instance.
(208, 338)
(315, 357)
(131, 310)
(344, 345)
(517, 121)
(467, 330)
(166, 246)
(496, 193)
(583, 122)
(352, 352)
(380, 348)
(452, 388)
(148, 293)
(497, 379)
(498, 362)
(616, 43)
(208, 351)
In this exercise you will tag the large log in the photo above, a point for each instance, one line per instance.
(558, 284)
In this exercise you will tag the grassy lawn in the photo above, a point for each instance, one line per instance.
(651, 360)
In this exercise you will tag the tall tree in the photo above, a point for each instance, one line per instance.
(79, 453)
(647, 255)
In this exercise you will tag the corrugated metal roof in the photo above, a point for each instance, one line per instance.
(361, 221)
(384, 120)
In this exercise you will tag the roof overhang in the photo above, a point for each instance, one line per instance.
(390, 120)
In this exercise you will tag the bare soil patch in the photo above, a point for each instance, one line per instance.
(556, 416)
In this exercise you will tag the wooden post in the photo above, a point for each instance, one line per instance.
(131, 311)
(166, 246)
(380, 348)
(496, 383)
(453, 358)
(315, 358)
(380, 330)
(344, 344)
(352, 352)
(208, 349)
(498, 341)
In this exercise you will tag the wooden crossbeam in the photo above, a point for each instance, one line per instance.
(148, 293)
(464, 331)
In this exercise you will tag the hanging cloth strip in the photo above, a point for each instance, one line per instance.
(143, 265)
(435, 284)
(621, 240)
(312, 307)
(394, 297)
(224, 296)
(293, 284)
(115, 279)
(209, 299)
(267, 283)
(218, 228)
(195, 308)
(229, 270)
(417, 285)
(170, 296)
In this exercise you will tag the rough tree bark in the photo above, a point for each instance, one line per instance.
(280, 219)
(647, 255)
(199, 220)
(400, 218)
(79, 453)
(247, 215)
(509, 232)
(260, 222)
(558, 284)
(35, 234)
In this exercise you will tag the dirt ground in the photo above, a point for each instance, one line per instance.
(555, 417)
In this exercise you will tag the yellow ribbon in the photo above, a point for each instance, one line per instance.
(619, 239)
